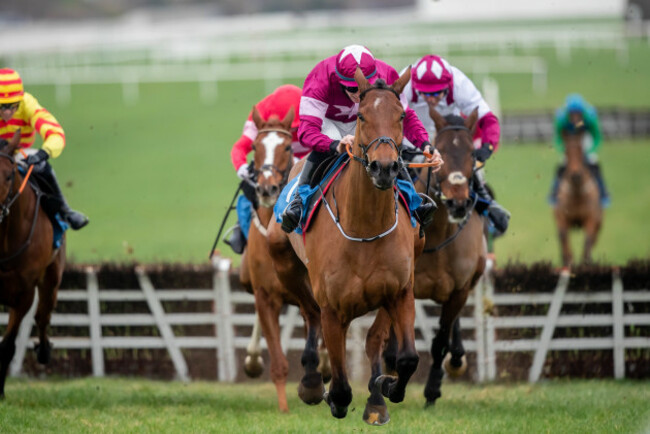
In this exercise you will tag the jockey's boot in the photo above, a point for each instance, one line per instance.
(293, 212)
(552, 197)
(498, 215)
(75, 219)
(423, 213)
(594, 168)
(237, 241)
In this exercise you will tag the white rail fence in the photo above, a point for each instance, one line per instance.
(485, 343)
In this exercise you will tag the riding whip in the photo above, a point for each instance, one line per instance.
(223, 223)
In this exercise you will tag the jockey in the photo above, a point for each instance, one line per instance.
(20, 110)
(328, 110)
(278, 103)
(436, 83)
(574, 116)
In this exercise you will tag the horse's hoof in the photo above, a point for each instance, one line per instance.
(450, 366)
(376, 415)
(43, 352)
(253, 366)
(311, 394)
(337, 412)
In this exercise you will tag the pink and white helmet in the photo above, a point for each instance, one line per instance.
(347, 61)
(431, 74)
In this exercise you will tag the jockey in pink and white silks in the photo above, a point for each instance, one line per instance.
(436, 83)
(328, 114)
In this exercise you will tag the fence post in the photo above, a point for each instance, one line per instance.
(479, 329)
(226, 352)
(549, 326)
(490, 352)
(165, 329)
(94, 312)
(619, 326)
(22, 340)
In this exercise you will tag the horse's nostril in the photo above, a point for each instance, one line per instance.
(374, 167)
(274, 189)
(394, 168)
(258, 189)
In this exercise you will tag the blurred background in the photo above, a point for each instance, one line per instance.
(153, 94)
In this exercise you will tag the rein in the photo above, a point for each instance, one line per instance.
(9, 201)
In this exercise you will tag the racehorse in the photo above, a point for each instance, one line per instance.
(27, 258)
(578, 200)
(455, 252)
(365, 258)
(273, 161)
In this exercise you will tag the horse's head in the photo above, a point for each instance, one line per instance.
(379, 131)
(273, 155)
(8, 166)
(575, 167)
(454, 141)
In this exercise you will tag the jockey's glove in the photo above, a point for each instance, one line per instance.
(334, 145)
(38, 160)
(484, 152)
(243, 172)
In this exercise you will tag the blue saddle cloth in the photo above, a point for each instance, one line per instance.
(59, 225)
(307, 194)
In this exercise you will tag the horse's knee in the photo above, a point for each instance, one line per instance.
(43, 352)
(407, 364)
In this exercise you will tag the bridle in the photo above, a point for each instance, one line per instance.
(9, 201)
(436, 190)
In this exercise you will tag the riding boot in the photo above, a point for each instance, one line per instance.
(293, 212)
(423, 213)
(594, 168)
(552, 198)
(237, 240)
(75, 219)
(498, 215)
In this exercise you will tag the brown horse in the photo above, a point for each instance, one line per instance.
(27, 258)
(273, 161)
(578, 200)
(454, 256)
(350, 277)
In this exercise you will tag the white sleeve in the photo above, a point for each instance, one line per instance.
(466, 96)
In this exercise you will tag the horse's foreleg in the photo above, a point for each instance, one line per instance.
(591, 235)
(340, 392)
(456, 363)
(567, 256)
(268, 309)
(390, 353)
(48, 289)
(8, 344)
(440, 344)
(311, 387)
(253, 363)
(402, 314)
(376, 412)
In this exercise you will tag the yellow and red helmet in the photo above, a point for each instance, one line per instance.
(11, 86)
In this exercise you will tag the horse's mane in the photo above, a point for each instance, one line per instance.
(455, 120)
(379, 84)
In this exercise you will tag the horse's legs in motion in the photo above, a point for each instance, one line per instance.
(268, 309)
(456, 363)
(402, 315)
(591, 228)
(376, 412)
(440, 344)
(253, 363)
(390, 353)
(563, 233)
(340, 392)
(48, 288)
(8, 344)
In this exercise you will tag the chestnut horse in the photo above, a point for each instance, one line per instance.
(27, 258)
(455, 252)
(350, 277)
(578, 200)
(273, 161)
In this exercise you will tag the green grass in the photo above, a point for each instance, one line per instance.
(134, 405)
(155, 177)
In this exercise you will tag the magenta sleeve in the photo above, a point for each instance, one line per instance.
(490, 130)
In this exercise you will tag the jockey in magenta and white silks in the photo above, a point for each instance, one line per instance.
(436, 83)
(328, 115)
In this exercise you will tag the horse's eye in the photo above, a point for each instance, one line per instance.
(288, 148)
(360, 116)
(401, 118)
(8, 178)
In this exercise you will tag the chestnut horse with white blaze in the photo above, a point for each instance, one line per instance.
(578, 200)
(27, 258)
(364, 260)
(273, 160)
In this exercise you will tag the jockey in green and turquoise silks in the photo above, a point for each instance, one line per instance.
(578, 115)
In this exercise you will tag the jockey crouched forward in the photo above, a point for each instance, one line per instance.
(20, 110)
(437, 84)
(278, 103)
(328, 113)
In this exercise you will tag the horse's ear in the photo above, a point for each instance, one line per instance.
(401, 82)
(470, 122)
(288, 118)
(361, 80)
(257, 118)
(438, 120)
(13, 144)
